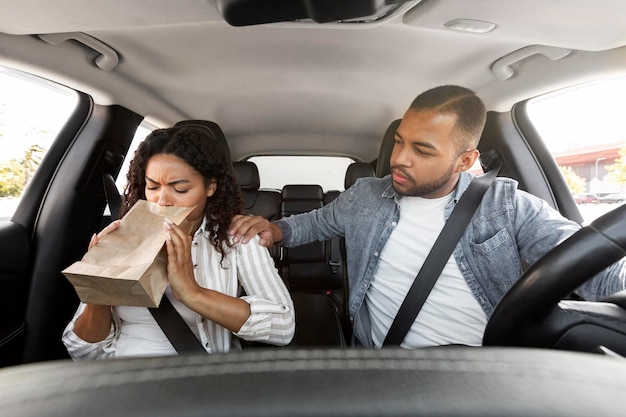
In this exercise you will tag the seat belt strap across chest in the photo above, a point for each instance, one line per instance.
(437, 257)
(175, 329)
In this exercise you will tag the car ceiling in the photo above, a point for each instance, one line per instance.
(309, 88)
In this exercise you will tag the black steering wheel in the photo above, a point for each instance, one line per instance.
(533, 313)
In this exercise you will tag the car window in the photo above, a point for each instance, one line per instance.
(142, 131)
(277, 171)
(584, 130)
(32, 112)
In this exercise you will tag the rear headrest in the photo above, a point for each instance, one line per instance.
(213, 127)
(301, 199)
(247, 175)
(386, 147)
(358, 170)
(302, 192)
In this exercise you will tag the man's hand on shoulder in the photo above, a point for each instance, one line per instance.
(244, 228)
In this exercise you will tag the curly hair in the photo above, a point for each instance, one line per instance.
(201, 151)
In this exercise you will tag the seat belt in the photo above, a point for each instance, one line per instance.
(437, 257)
(114, 200)
(176, 330)
(173, 325)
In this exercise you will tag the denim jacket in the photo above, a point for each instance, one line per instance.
(510, 230)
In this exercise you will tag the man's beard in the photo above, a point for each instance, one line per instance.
(420, 190)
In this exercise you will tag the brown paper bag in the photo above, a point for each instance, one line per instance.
(128, 266)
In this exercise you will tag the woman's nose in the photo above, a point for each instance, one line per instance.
(164, 199)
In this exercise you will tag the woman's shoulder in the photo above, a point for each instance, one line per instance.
(252, 245)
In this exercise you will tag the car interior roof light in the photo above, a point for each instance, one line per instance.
(470, 25)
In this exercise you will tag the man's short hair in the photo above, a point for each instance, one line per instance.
(461, 102)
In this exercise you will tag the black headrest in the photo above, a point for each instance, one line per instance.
(247, 175)
(301, 199)
(213, 127)
(358, 170)
(386, 147)
(302, 192)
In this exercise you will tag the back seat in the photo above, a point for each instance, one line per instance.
(336, 250)
(305, 267)
(306, 270)
(256, 201)
(315, 273)
(319, 267)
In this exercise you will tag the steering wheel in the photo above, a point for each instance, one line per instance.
(533, 313)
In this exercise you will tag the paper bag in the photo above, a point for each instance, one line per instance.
(128, 266)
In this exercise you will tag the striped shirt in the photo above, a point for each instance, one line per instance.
(247, 269)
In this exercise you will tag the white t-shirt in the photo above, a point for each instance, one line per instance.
(140, 337)
(451, 314)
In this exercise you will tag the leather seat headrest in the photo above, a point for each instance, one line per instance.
(303, 192)
(358, 170)
(247, 175)
(212, 127)
(386, 147)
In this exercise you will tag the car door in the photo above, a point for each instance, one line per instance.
(50, 228)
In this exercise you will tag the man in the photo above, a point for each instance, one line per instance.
(390, 224)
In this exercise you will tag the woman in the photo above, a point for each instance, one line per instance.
(185, 166)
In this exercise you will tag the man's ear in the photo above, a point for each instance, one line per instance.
(467, 159)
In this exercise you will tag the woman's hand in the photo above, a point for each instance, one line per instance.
(94, 323)
(96, 237)
(229, 312)
(179, 264)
